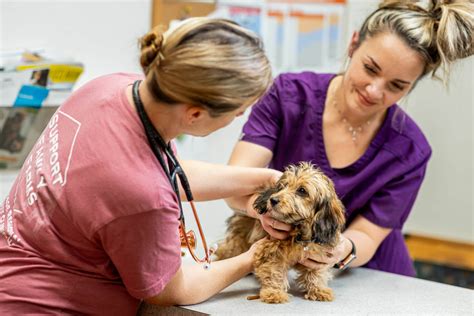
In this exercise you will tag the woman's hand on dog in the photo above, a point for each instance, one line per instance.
(251, 252)
(320, 259)
(273, 227)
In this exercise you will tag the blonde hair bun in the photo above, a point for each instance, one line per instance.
(454, 28)
(150, 47)
(208, 62)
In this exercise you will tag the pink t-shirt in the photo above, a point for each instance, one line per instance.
(91, 223)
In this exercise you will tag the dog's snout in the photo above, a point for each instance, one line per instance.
(274, 201)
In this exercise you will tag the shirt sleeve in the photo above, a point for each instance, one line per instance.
(264, 123)
(145, 249)
(391, 205)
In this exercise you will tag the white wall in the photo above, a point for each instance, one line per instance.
(102, 34)
(445, 205)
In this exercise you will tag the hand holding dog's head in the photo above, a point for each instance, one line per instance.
(305, 197)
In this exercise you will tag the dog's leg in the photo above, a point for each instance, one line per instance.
(236, 240)
(315, 283)
(271, 270)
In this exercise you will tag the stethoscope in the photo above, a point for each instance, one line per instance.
(173, 170)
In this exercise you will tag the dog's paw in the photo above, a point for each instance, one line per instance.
(272, 296)
(323, 295)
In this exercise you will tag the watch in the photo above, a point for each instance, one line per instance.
(344, 263)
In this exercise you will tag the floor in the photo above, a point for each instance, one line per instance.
(445, 274)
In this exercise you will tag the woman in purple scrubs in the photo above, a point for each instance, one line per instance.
(350, 126)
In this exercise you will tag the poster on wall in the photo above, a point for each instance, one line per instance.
(31, 87)
(29, 79)
(319, 36)
(248, 17)
(275, 40)
(298, 35)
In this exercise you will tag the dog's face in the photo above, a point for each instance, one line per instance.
(305, 197)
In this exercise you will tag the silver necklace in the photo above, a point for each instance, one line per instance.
(354, 131)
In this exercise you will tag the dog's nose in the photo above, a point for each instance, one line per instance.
(274, 201)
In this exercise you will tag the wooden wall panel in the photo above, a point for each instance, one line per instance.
(164, 11)
(444, 252)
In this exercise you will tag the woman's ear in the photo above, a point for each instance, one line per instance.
(193, 114)
(354, 43)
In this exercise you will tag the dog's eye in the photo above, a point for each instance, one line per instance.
(302, 191)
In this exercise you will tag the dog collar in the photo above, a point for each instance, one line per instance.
(298, 240)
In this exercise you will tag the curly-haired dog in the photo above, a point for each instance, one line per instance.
(305, 198)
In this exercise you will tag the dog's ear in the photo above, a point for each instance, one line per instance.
(261, 201)
(328, 221)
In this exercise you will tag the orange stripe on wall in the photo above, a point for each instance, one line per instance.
(298, 14)
(310, 1)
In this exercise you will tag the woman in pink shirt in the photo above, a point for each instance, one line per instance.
(91, 223)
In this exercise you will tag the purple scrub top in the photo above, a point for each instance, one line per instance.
(381, 185)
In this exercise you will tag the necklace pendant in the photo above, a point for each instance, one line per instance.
(354, 131)
(354, 135)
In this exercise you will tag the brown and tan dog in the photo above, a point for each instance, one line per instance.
(305, 198)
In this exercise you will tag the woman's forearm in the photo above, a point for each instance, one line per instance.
(243, 204)
(202, 284)
(367, 237)
(193, 284)
(211, 181)
(365, 246)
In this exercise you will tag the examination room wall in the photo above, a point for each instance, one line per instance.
(102, 35)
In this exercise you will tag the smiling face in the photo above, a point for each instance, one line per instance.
(382, 70)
